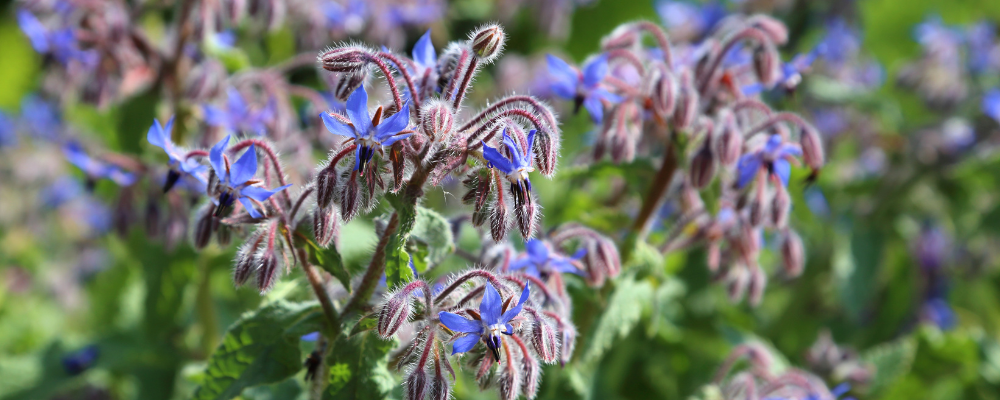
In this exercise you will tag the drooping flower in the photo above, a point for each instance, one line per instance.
(493, 319)
(96, 169)
(61, 44)
(991, 104)
(516, 168)
(237, 115)
(584, 88)
(159, 136)
(774, 156)
(369, 134)
(538, 260)
(236, 180)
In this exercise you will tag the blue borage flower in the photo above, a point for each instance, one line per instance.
(41, 117)
(96, 169)
(991, 104)
(350, 18)
(774, 156)
(539, 260)
(159, 136)
(78, 361)
(695, 20)
(61, 44)
(584, 88)
(236, 180)
(369, 134)
(7, 134)
(516, 168)
(237, 115)
(493, 319)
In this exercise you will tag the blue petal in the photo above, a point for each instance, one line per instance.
(458, 323)
(783, 170)
(215, 158)
(34, 29)
(531, 143)
(565, 267)
(537, 250)
(357, 110)
(215, 116)
(248, 205)
(357, 158)
(394, 124)
(156, 135)
(336, 127)
(464, 344)
(394, 139)
(788, 150)
(261, 194)
(423, 51)
(595, 108)
(521, 263)
(606, 95)
(595, 71)
(991, 104)
(579, 254)
(564, 77)
(310, 337)
(496, 159)
(244, 168)
(510, 314)
(747, 168)
(773, 143)
(515, 150)
(491, 306)
(235, 102)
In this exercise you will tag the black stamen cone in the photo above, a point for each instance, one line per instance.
(172, 177)
(577, 103)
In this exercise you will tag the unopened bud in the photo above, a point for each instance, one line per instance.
(416, 384)
(267, 272)
(326, 226)
(394, 313)
(757, 207)
(687, 102)
(223, 235)
(793, 255)
(487, 42)
(326, 186)
(438, 120)
(544, 340)
(204, 227)
(773, 28)
(781, 203)
(527, 217)
(530, 372)
(736, 285)
(702, 168)
(755, 288)
(499, 224)
(812, 147)
(245, 259)
(568, 343)
(662, 91)
(767, 64)
(440, 388)
(347, 83)
(350, 195)
(509, 383)
(728, 140)
(547, 151)
(347, 59)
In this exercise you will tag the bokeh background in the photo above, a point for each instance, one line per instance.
(902, 228)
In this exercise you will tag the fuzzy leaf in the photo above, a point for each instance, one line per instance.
(432, 236)
(620, 315)
(359, 368)
(329, 259)
(256, 350)
(891, 360)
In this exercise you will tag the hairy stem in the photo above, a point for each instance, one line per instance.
(653, 198)
(317, 286)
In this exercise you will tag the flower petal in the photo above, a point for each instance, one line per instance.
(261, 194)
(491, 306)
(515, 150)
(394, 124)
(336, 127)
(747, 168)
(215, 158)
(248, 205)
(155, 135)
(595, 108)
(458, 323)
(595, 71)
(783, 170)
(34, 29)
(234, 102)
(423, 51)
(357, 110)
(496, 159)
(537, 250)
(564, 77)
(531, 143)
(510, 314)
(244, 168)
(393, 139)
(464, 344)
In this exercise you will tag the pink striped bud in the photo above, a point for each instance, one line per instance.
(487, 42)
(509, 383)
(416, 384)
(687, 103)
(348, 82)
(245, 259)
(737, 281)
(394, 313)
(728, 140)
(812, 147)
(499, 223)
(756, 285)
(545, 341)
(267, 271)
(774, 29)
(547, 151)
(793, 254)
(326, 186)
(397, 158)
(440, 388)
(608, 255)
(204, 227)
(438, 120)
(767, 64)
(662, 91)
(527, 217)
(781, 203)
(702, 169)
(346, 59)
(326, 226)
(530, 372)
(350, 197)
(568, 343)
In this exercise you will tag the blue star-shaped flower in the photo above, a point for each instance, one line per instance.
(517, 168)
(159, 136)
(991, 104)
(236, 180)
(369, 134)
(96, 169)
(774, 156)
(539, 261)
(583, 88)
(423, 53)
(492, 321)
(61, 44)
(237, 116)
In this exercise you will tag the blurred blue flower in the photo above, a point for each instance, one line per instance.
(492, 322)
(830, 121)
(237, 115)
(159, 136)
(96, 169)
(938, 39)
(416, 12)
(791, 74)
(937, 311)
(773, 156)
(310, 337)
(8, 135)
(368, 134)
(583, 88)
(539, 261)
(690, 18)
(42, 118)
(350, 18)
(80, 360)
(931, 248)
(982, 47)
(840, 44)
(61, 191)
(516, 168)
(816, 202)
(236, 180)
(61, 44)
(424, 55)
(991, 104)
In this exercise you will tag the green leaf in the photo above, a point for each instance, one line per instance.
(256, 350)
(432, 236)
(397, 265)
(329, 259)
(856, 264)
(891, 361)
(620, 315)
(359, 368)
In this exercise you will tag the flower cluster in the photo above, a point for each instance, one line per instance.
(760, 380)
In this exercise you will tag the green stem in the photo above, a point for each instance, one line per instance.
(205, 309)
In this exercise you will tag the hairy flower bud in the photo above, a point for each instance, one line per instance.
(509, 382)
(527, 217)
(348, 82)
(568, 333)
(773, 28)
(245, 259)
(756, 285)
(223, 235)
(438, 120)
(394, 313)
(547, 151)
(204, 227)
(267, 271)
(350, 194)
(793, 255)
(728, 140)
(767, 64)
(662, 91)
(326, 186)
(687, 102)
(737, 281)
(440, 387)
(702, 168)
(545, 341)
(346, 59)
(812, 147)
(781, 203)
(326, 226)
(416, 384)
(499, 223)
(487, 42)
(530, 372)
